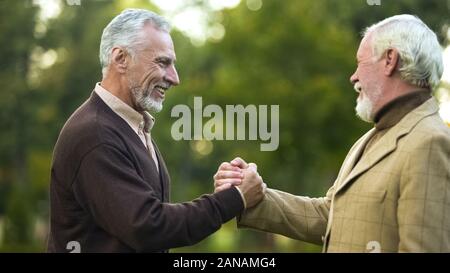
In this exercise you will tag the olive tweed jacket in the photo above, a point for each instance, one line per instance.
(395, 199)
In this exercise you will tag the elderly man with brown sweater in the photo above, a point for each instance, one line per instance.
(109, 185)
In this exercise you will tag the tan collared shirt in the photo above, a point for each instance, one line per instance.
(141, 123)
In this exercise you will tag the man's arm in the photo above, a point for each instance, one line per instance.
(279, 212)
(127, 207)
(424, 202)
(297, 217)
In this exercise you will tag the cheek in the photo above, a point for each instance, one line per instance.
(136, 75)
(365, 75)
(153, 75)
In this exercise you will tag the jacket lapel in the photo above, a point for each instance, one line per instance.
(387, 144)
(383, 147)
(354, 154)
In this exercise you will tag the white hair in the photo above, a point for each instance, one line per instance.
(419, 50)
(125, 31)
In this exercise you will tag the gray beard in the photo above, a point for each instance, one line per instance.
(143, 100)
(364, 109)
(364, 106)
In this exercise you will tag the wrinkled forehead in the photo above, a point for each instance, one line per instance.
(365, 47)
(157, 42)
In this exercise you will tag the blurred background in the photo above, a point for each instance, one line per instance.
(295, 54)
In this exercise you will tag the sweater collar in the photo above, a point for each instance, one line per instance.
(395, 110)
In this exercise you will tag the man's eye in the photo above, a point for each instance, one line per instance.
(163, 63)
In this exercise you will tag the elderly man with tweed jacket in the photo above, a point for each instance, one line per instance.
(392, 193)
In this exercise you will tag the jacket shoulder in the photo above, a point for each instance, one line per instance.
(430, 130)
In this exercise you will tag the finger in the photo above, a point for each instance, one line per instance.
(232, 181)
(226, 166)
(223, 187)
(228, 174)
(239, 162)
(253, 167)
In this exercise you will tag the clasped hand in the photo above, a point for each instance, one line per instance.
(242, 175)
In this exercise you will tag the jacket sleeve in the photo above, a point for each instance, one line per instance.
(124, 205)
(424, 202)
(297, 217)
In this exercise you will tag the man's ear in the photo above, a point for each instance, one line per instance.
(391, 61)
(119, 59)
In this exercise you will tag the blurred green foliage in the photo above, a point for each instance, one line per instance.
(295, 54)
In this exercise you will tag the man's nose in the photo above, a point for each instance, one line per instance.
(172, 75)
(353, 78)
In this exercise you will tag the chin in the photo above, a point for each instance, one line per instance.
(154, 107)
(157, 109)
(364, 109)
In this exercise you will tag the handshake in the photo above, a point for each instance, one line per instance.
(243, 176)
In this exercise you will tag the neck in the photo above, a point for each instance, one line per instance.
(118, 87)
(394, 90)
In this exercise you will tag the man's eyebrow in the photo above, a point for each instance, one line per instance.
(165, 59)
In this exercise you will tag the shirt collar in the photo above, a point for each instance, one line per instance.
(149, 121)
(137, 120)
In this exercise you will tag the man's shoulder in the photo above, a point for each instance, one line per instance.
(92, 124)
(89, 120)
(429, 130)
(432, 125)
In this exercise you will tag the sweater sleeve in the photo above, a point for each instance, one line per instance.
(125, 205)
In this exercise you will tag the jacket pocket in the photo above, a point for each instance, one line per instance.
(372, 196)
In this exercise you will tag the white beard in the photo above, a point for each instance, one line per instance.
(144, 101)
(364, 104)
(364, 109)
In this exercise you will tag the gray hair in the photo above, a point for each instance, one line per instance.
(420, 52)
(125, 30)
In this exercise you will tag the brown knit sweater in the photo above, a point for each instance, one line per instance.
(107, 196)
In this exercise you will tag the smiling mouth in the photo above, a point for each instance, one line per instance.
(161, 90)
(357, 87)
